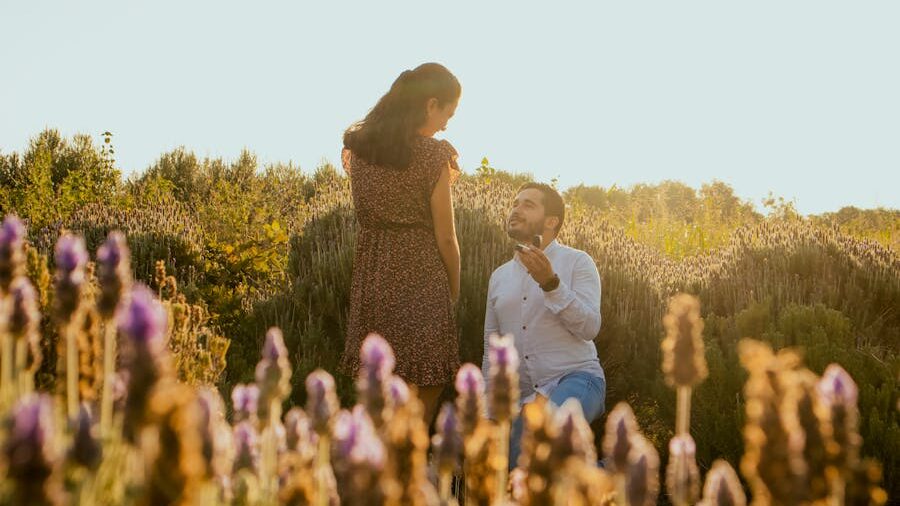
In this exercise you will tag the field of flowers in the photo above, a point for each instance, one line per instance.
(230, 282)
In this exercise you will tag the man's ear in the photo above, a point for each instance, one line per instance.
(551, 222)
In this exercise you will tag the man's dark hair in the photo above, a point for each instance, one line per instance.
(552, 200)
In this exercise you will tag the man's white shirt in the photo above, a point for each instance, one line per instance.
(553, 331)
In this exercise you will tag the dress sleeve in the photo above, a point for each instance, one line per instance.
(346, 159)
(443, 156)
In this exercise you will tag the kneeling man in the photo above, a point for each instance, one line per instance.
(548, 297)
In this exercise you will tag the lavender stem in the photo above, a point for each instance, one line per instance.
(109, 376)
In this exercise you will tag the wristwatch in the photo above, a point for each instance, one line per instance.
(551, 285)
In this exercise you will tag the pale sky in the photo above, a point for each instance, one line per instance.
(798, 97)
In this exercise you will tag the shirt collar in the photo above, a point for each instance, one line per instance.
(550, 247)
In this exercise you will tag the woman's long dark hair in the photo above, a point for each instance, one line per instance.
(386, 134)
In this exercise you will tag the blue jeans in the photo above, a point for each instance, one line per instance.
(590, 391)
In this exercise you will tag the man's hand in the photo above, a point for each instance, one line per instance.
(537, 263)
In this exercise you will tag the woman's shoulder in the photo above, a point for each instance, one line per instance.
(438, 154)
(436, 146)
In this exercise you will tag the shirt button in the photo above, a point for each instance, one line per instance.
(523, 327)
(535, 386)
(526, 357)
(524, 298)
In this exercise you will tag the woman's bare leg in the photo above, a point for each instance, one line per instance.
(430, 396)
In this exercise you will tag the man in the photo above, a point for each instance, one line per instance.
(548, 297)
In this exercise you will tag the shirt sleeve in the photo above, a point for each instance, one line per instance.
(578, 306)
(491, 326)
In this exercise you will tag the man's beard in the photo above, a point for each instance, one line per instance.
(525, 234)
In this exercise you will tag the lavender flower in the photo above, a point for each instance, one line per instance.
(574, 437)
(177, 470)
(113, 273)
(86, 450)
(684, 363)
(71, 258)
(298, 433)
(142, 321)
(214, 447)
(838, 394)
(245, 402)
(24, 321)
(246, 449)
(837, 387)
(359, 459)
(447, 440)
(273, 374)
(503, 390)
(621, 427)
(722, 487)
(642, 477)
(12, 251)
(356, 441)
(321, 401)
(398, 392)
(470, 401)
(377, 360)
(540, 452)
(682, 475)
(377, 356)
(773, 460)
(30, 450)
(24, 315)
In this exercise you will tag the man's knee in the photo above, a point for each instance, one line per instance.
(587, 389)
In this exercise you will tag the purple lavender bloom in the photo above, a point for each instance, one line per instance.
(503, 353)
(71, 258)
(469, 380)
(212, 423)
(470, 401)
(621, 427)
(377, 364)
(574, 436)
(143, 319)
(503, 391)
(29, 449)
(837, 387)
(642, 480)
(682, 474)
(321, 400)
(86, 450)
(246, 454)
(377, 357)
(398, 391)
(71, 255)
(12, 251)
(723, 488)
(12, 232)
(448, 443)
(297, 429)
(273, 373)
(682, 447)
(24, 316)
(113, 272)
(356, 441)
(245, 401)
(274, 348)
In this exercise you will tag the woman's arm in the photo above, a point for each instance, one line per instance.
(445, 229)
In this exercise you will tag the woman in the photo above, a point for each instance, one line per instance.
(406, 270)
